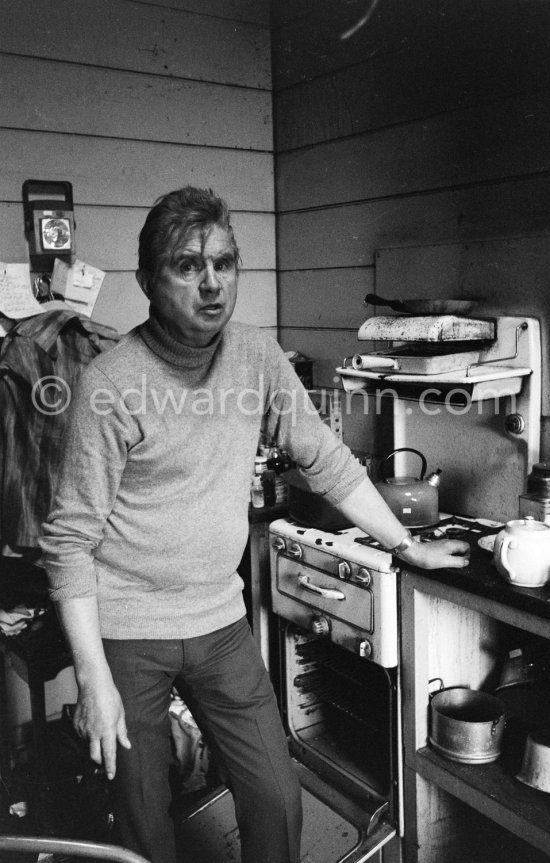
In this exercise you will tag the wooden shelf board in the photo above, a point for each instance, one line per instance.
(493, 791)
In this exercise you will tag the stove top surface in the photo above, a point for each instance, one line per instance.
(349, 544)
(353, 541)
(457, 527)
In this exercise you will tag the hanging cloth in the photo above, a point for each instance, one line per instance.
(40, 362)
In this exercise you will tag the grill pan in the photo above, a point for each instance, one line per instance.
(423, 306)
(423, 359)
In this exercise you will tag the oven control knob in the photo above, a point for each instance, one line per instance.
(364, 576)
(365, 649)
(344, 570)
(295, 551)
(320, 626)
(279, 544)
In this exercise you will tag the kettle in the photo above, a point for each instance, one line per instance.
(522, 552)
(415, 502)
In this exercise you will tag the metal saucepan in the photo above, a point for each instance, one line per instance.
(518, 668)
(311, 509)
(423, 307)
(466, 724)
(535, 768)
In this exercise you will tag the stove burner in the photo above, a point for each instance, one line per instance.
(432, 534)
(450, 527)
(457, 527)
(456, 532)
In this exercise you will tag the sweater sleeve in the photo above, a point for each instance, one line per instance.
(95, 445)
(324, 461)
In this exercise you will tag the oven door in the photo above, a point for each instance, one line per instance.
(340, 714)
(335, 830)
(359, 836)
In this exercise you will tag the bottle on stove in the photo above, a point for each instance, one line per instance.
(267, 478)
(276, 463)
(536, 501)
(260, 464)
(257, 493)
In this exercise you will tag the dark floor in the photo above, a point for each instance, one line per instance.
(211, 835)
(64, 797)
(70, 799)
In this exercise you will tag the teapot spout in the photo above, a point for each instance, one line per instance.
(434, 478)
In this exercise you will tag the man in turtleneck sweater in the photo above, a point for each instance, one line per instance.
(150, 522)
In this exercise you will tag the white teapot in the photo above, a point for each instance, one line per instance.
(522, 552)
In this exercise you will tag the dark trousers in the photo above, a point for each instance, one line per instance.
(223, 680)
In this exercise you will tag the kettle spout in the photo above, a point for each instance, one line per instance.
(434, 478)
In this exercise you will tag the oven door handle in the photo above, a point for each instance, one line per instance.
(325, 592)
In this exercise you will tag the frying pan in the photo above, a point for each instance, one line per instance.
(423, 307)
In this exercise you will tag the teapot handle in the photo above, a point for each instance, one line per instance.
(403, 449)
(507, 541)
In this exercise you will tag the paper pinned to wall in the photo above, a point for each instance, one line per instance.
(16, 296)
(79, 284)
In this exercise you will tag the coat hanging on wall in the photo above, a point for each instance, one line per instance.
(40, 360)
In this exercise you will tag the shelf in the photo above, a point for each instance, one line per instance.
(498, 382)
(494, 791)
(513, 356)
(461, 635)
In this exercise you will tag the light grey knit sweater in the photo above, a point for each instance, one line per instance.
(151, 511)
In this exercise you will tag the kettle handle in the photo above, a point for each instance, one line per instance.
(403, 449)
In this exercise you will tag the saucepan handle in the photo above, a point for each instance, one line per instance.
(435, 691)
(375, 300)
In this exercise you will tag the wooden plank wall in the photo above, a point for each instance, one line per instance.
(403, 124)
(127, 100)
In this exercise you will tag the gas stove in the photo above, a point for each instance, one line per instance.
(337, 607)
(335, 586)
(342, 585)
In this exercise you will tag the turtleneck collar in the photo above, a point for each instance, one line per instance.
(174, 352)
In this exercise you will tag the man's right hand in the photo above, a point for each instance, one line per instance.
(99, 715)
(99, 719)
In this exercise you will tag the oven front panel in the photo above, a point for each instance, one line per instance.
(344, 601)
(360, 617)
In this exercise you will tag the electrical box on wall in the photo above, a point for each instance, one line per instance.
(49, 222)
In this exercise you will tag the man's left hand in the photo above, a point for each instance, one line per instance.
(439, 554)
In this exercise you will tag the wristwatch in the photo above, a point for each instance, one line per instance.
(405, 543)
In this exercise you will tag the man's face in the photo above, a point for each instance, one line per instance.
(195, 296)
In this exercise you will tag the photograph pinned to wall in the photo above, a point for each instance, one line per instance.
(78, 284)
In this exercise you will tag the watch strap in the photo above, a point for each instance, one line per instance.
(402, 546)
